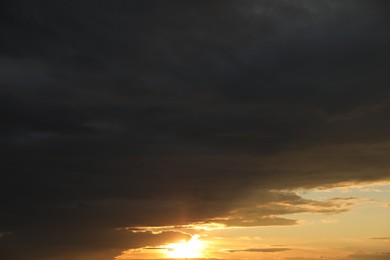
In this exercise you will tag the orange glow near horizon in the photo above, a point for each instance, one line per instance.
(360, 231)
(186, 249)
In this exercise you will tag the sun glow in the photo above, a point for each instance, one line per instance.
(186, 249)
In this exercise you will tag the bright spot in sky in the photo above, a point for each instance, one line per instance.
(186, 249)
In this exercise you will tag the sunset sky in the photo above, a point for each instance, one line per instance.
(204, 129)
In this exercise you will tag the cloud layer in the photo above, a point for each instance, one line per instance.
(125, 114)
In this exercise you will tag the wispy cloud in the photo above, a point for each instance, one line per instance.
(381, 238)
(259, 250)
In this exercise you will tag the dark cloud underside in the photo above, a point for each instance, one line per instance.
(134, 113)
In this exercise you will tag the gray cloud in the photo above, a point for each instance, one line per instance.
(266, 209)
(125, 113)
(70, 243)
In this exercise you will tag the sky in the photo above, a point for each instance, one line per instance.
(194, 129)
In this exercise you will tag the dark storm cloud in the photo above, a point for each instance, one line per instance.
(56, 242)
(130, 113)
(261, 208)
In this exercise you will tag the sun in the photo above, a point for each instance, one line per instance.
(186, 249)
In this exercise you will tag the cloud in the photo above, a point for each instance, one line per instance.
(381, 238)
(344, 199)
(81, 243)
(377, 256)
(261, 208)
(260, 250)
(3, 234)
(266, 208)
(359, 256)
(130, 114)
